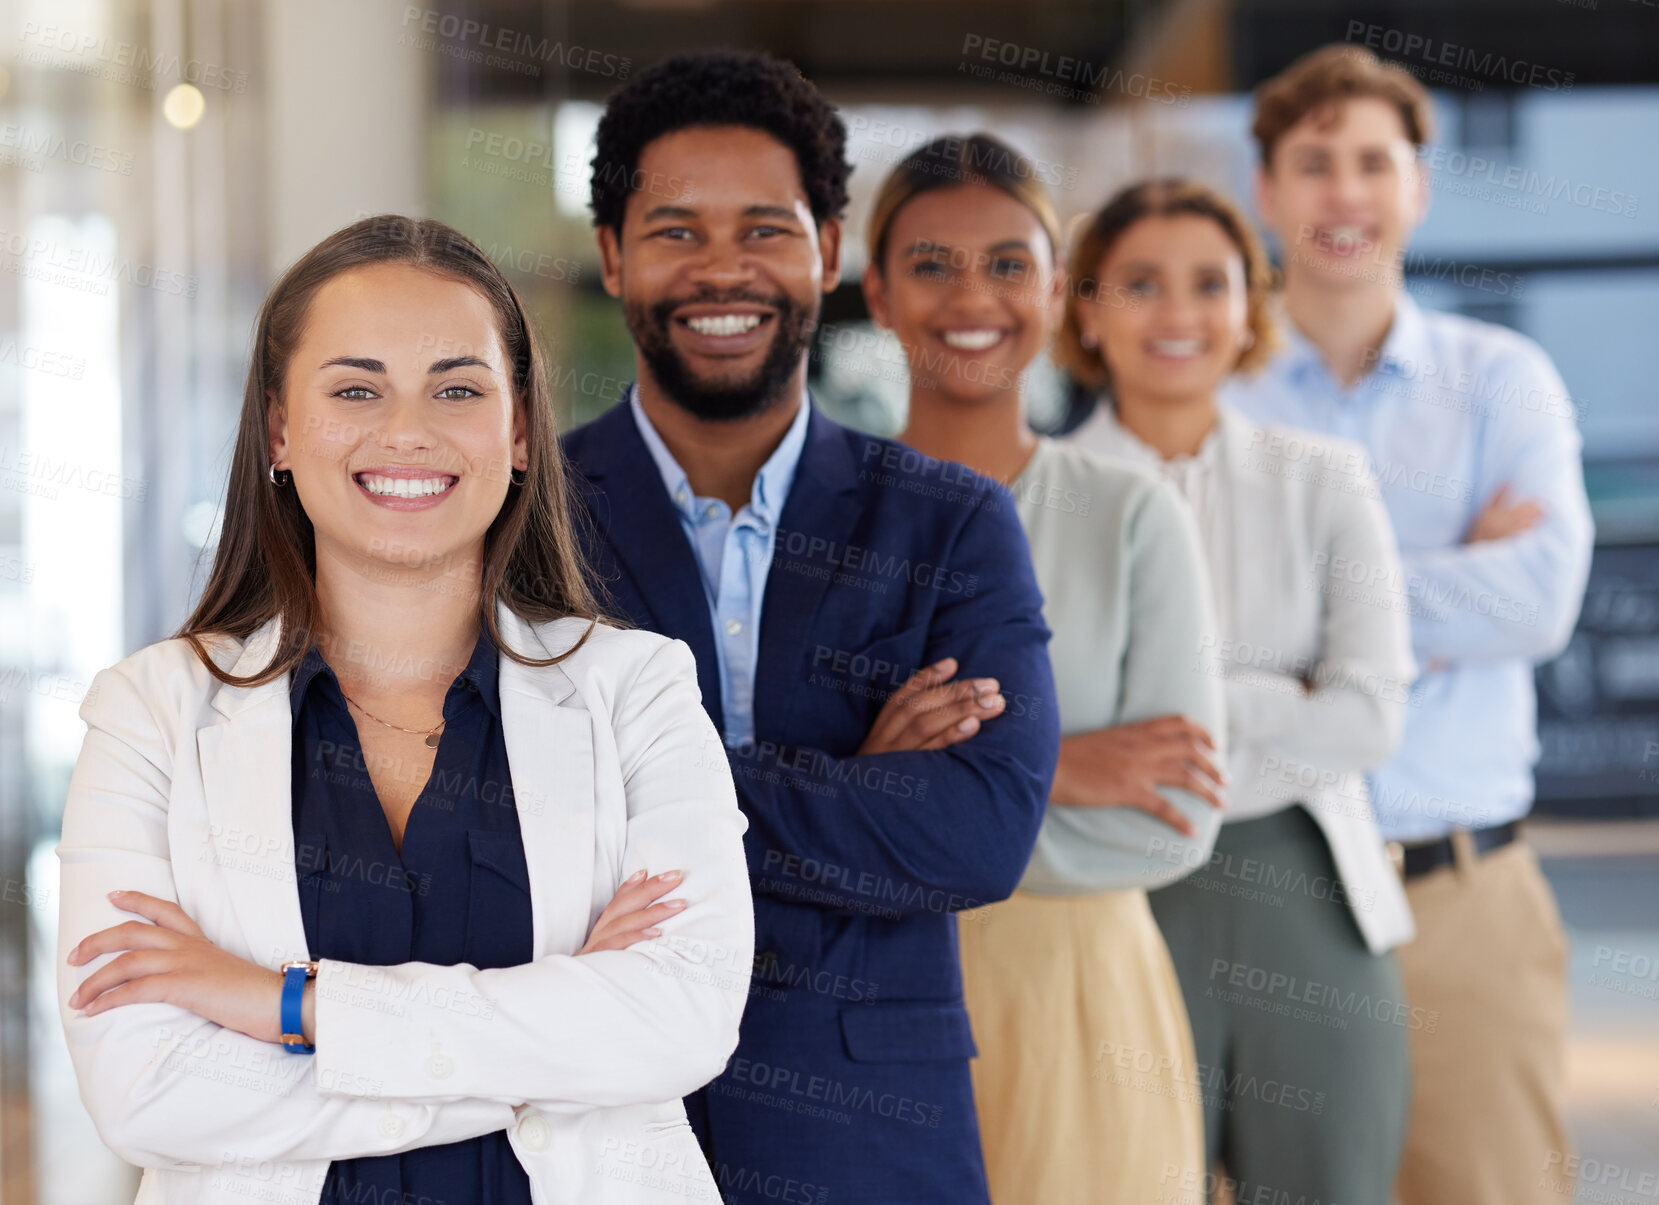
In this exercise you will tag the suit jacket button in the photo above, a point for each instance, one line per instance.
(534, 1133)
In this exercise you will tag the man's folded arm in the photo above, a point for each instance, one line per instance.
(931, 830)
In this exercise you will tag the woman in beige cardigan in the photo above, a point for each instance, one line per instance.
(1283, 943)
(1086, 1082)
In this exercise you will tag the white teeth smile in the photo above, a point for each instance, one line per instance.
(1177, 347)
(724, 325)
(972, 340)
(404, 487)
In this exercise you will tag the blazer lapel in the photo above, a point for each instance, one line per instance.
(631, 506)
(246, 765)
(550, 752)
(823, 504)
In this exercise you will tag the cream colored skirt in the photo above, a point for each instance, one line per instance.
(1086, 1081)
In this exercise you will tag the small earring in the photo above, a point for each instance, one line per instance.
(271, 473)
(518, 476)
(1087, 339)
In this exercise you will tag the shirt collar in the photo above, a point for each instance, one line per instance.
(481, 673)
(312, 665)
(771, 488)
(1124, 442)
(1408, 335)
(1407, 340)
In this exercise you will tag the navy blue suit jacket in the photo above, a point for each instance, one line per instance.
(851, 1073)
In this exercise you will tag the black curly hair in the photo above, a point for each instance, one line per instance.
(720, 88)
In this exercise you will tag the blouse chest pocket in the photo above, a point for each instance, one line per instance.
(499, 929)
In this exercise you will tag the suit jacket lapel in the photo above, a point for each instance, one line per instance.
(632, 509)
(823, 504)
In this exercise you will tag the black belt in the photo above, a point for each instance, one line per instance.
(1420, 859)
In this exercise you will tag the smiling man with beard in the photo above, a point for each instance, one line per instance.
(867, 628)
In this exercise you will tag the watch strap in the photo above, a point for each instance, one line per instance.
(294, 975)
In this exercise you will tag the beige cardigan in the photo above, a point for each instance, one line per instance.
(1316, 600)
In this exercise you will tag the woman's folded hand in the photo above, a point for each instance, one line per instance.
(171, 962)
(633, 912)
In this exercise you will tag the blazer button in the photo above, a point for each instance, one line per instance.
(391, 1125)
(533, 1131)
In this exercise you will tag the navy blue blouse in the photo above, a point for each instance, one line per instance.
(459, 892)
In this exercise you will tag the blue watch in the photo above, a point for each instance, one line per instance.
(294, 975)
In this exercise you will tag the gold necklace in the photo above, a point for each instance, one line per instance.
(431, 734)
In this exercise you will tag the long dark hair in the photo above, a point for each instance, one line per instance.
(265, 565)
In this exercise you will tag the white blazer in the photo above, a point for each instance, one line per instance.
(1316, 593)
(182, 790)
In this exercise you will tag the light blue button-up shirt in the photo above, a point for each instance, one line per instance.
(734, 555)
(1453, 409)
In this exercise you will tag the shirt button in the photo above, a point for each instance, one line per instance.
(712, 512)
(733, 627)
(391, 1126)
(440, 1066)
(533, 1131)
(680, 495)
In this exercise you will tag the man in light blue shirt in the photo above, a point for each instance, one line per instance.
(734, 553)
(1472, 436)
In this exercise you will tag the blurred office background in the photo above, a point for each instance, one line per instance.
(161, 161)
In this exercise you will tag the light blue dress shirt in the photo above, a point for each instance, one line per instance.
(1453, 409)
(734, 555)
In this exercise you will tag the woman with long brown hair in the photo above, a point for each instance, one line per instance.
(337, 856)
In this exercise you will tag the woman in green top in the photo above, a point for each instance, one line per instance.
(1086, 1081)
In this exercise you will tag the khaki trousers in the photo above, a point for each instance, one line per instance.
(1490, 964)
(1086, 1082)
